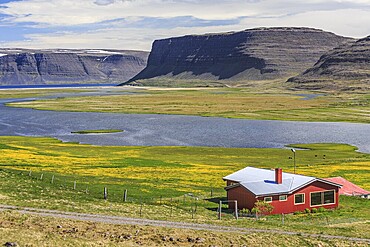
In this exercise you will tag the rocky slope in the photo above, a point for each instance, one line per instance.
(346, 68)
(250, 55)
(24, 66)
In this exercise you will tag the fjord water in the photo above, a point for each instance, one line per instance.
(177, 130)
(75, 85)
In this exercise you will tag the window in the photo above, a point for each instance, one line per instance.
(283, 198)
(268, 199)
(322, 198)
(316, 199)
(298, 198)
(329, 197)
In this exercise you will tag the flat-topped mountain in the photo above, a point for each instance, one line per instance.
(347, 68)
(237, 57)
(27, 66)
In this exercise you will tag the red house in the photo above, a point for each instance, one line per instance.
(286, 192)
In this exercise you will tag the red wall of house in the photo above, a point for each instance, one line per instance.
(246, 199)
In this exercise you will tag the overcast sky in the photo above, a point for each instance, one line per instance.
(134, 24)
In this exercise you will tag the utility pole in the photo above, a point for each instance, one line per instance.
(293, 150)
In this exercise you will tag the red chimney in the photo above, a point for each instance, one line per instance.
(278, 175)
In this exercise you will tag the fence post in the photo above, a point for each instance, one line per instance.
(105, 193)
(171, 208)
(74, 185)
(30, 173)
(141, 207)
(87, 190)
(219, 210)
(42, 175)
(236, 210)
(125, 196)
(282, 218)
(52, 179)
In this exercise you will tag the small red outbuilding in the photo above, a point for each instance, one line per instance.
(286, 192)
(348, 188)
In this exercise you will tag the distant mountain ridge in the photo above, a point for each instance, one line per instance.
(50, 66)
(237, 57)
(346, 67)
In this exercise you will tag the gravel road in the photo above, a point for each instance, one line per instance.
(119, 220)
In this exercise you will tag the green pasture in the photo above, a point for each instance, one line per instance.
(171, 183)
(171, 170)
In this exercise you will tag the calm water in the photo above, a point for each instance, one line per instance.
(173, 130)
(53, 86)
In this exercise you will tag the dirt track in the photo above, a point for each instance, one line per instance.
(119, 220)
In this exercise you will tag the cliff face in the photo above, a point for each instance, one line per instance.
(254, 54)
(346, 67)
(20, 66)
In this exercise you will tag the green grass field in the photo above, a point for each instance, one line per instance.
(192, 169)
(273, 104)
(166, 180)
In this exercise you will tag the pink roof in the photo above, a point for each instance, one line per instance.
(348, 188)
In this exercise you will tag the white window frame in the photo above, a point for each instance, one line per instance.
(283, 200)
(264, 199)
(322, 191)
(304, 199)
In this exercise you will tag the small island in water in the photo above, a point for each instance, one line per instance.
(103, 131)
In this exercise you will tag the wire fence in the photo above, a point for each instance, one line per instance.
(187, 205)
